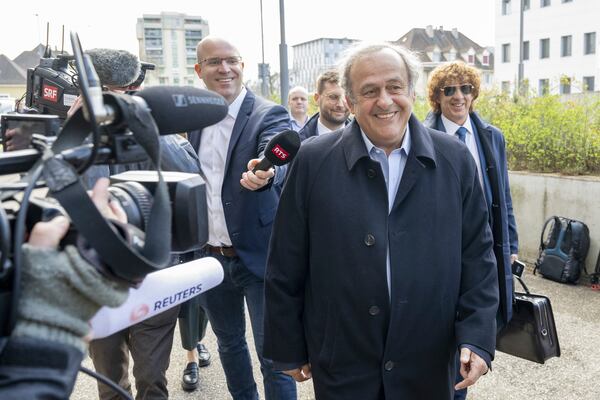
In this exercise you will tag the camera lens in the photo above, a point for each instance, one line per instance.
(135, 200)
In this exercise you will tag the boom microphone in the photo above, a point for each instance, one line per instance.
(115, 68)
(179, 109)
(280, 150)
(160, 291)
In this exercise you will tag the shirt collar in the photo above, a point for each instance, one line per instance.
(406, 142)
(452, 127)
(234, 108)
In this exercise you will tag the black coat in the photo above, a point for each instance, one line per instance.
(327, 300)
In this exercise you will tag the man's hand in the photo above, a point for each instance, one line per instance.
(471, 368)
(300, 374)
(252, 181)
(513, 258)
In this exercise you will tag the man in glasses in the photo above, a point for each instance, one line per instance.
(453, 89)
(239, 217)
(333, 111)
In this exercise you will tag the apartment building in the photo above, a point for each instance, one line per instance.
(169, 40)
(314, 57)
(560, 45)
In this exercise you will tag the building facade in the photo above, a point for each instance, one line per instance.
(314, 57)
(169, 40)
(560, 45)
(436, 46)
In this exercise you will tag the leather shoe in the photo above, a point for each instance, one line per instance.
(203, 355)
(189, 382)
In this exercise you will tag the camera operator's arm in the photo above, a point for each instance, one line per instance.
(60, 292)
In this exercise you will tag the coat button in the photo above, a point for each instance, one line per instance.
(373, 310)
(389, 365)
(371, 173)
(369, 240)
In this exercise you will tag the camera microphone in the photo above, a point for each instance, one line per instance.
(115, 68)
(280, 150)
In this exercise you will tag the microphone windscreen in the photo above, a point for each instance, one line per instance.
(115, 68)
(282, 148)
(178, 109)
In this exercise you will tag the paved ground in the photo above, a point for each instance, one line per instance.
(575, 375)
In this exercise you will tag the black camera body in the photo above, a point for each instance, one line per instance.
(52, 86)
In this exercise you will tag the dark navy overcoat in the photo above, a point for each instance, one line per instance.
(327, 299)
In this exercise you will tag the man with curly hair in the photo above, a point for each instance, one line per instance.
(452, 91)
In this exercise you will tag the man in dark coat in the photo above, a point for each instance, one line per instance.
(333, 111)
(368, 296)
(453, 89)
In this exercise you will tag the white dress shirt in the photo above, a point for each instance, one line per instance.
(470, 141)
(214, 143)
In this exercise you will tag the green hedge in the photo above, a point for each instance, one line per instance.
(544, 134)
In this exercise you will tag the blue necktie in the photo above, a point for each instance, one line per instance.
(462, 133)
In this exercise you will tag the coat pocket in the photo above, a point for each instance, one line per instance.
(326, 354)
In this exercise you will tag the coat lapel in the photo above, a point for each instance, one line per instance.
(420, 157)
(240, 123)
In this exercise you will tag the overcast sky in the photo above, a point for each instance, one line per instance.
(111, 23)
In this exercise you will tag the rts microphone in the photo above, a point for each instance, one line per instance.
(179, 109)
(160, 291)
(280, 150)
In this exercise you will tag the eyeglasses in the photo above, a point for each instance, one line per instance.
(333, 98)
(450, 90)
(217, 61)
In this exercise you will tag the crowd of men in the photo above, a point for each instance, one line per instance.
(377, 264)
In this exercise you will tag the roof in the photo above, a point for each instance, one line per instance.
(11, 73)
(425, 40)
(31, 58)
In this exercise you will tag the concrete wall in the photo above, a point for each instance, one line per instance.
(537, 197)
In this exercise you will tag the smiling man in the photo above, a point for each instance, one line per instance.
(380, 263)
(239, 220)
(333, 111)
(453, 89)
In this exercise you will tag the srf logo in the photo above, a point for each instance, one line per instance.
(180, 100)
(139, 312)
(280, 152)
(50, 93)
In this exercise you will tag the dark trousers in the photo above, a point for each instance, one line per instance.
(192, 323)
(224, 305)
(150, 345)
(459, 394)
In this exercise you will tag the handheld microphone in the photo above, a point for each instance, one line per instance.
(280, 150)
(160, 291)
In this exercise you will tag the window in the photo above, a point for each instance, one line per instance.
(505, 7)
(588, 83)
(485, 59)
(565, 46)
(526, 50)
(543, 87)
(544, 48)
(565, 85)
(505, 87)
(526, 5)
(589, 43)
(471, 59)
(544, 3)
(506, 52)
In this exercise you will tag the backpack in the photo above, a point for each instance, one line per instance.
(562, 255)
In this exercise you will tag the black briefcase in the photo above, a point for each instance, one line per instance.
(531, 333)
